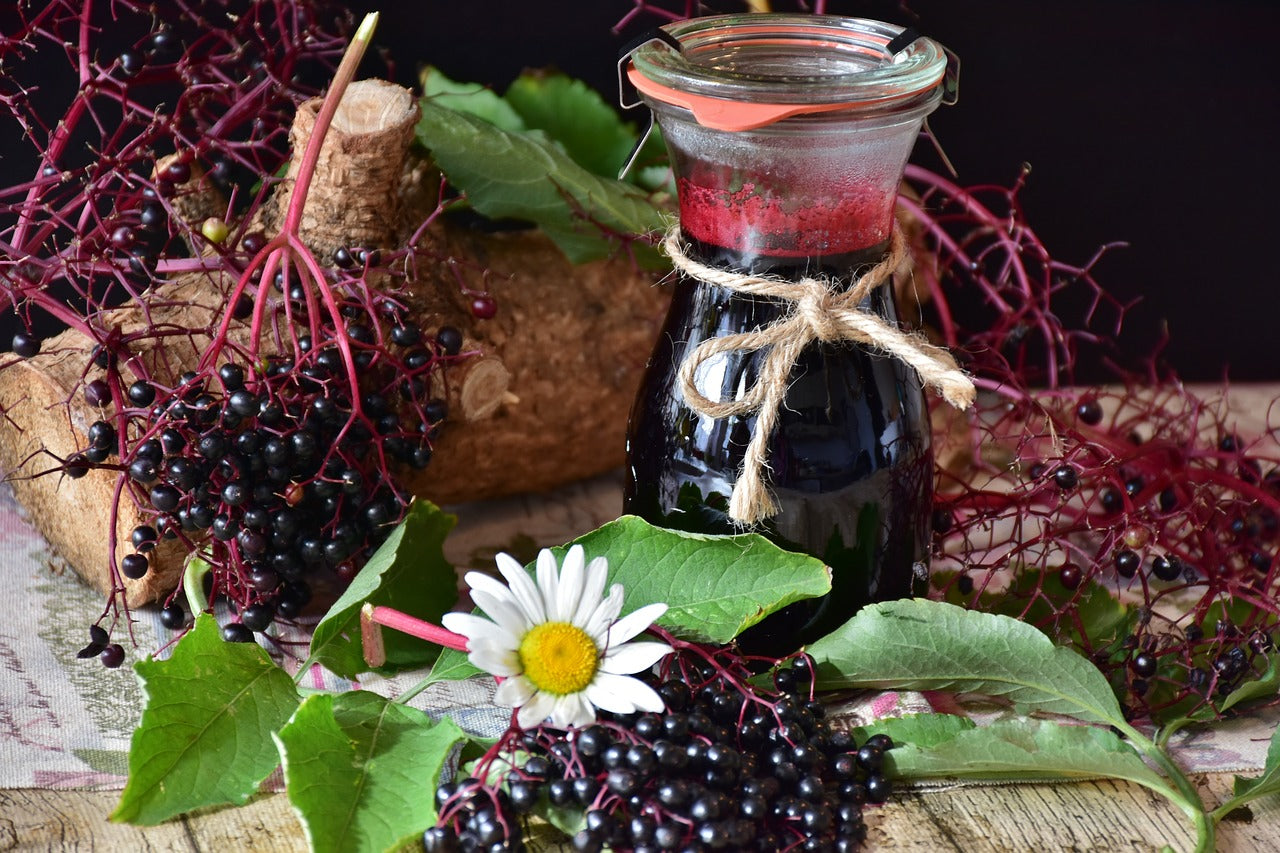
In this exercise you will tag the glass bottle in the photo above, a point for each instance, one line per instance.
(788, 136)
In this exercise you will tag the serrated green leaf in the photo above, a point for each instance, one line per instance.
(715, 587)
(409, 572)
(574, 115)
(922, 730)
(930, 645)
(1026, 750)
(527, 176)
(452, 665)
(360, 770)
(471, 98)
(205, 735)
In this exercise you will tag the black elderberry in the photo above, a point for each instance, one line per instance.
(1069, 575)
(406, 334)
(143, 471)
(1110, 500)
(964, 584)
(212, 446)
(622, 781)
(144, 537)
(882, 742)
(102, 435)
(1089, 411)
(173, 617)
(234, 632)
(449, 340)
(560, 792)
(1127, 563)
(878, 788)
(76, 466)
(224, 527)
(142, 393)
(436, 411)
(112, 656)
(1066, 477)
(165, 497)
(257, 617)
(1166, 567)
(25, 345)
(134, 566)
(235, 493)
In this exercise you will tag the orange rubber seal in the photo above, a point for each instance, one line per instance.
(725, 114)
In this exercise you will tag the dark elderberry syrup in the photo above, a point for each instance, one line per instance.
(851, 466)
(788, 137)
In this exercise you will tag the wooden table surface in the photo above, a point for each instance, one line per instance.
(1093, 816)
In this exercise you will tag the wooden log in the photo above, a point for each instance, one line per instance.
(540, 398)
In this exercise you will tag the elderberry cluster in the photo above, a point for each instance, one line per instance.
(275, 473)
(727, 766)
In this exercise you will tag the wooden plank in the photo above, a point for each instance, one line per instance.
(35, 819)
(1094, 816)
(266, 824)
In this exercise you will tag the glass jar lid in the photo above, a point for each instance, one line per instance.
(740, 72)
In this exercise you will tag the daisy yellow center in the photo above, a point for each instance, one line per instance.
(559, 658)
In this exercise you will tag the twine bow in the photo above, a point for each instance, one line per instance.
(817, 312)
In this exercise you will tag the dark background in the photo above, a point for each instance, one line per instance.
(1150, 122)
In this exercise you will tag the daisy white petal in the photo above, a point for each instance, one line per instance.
(634, 622)
(504, 612)
(514, 692)
(645, 698)
(522, 587)
(487, 589)
(572, 710)
(621, 694)
(536, 710)
(497, 662)
(572, 577)
(548, 578)
(592, 590)
(473, 627)
(633, 657)
(597, 624)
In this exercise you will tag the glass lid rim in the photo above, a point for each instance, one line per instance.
(920, 69)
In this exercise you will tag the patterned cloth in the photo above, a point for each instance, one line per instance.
(66, 723)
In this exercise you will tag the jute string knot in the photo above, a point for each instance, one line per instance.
(816, 311)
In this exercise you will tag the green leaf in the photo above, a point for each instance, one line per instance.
(470, 98)
(205, 734)
(929, 645)
(452, 665)
(922, 730)
(574, 115)
(360, 770)
(715, 587)
(1026, 750)
(409, 572)
(529, 177)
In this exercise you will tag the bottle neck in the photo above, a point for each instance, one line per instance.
(843, 267)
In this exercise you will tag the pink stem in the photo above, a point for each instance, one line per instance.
(389, 617)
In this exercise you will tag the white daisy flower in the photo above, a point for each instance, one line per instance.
(558, 642)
